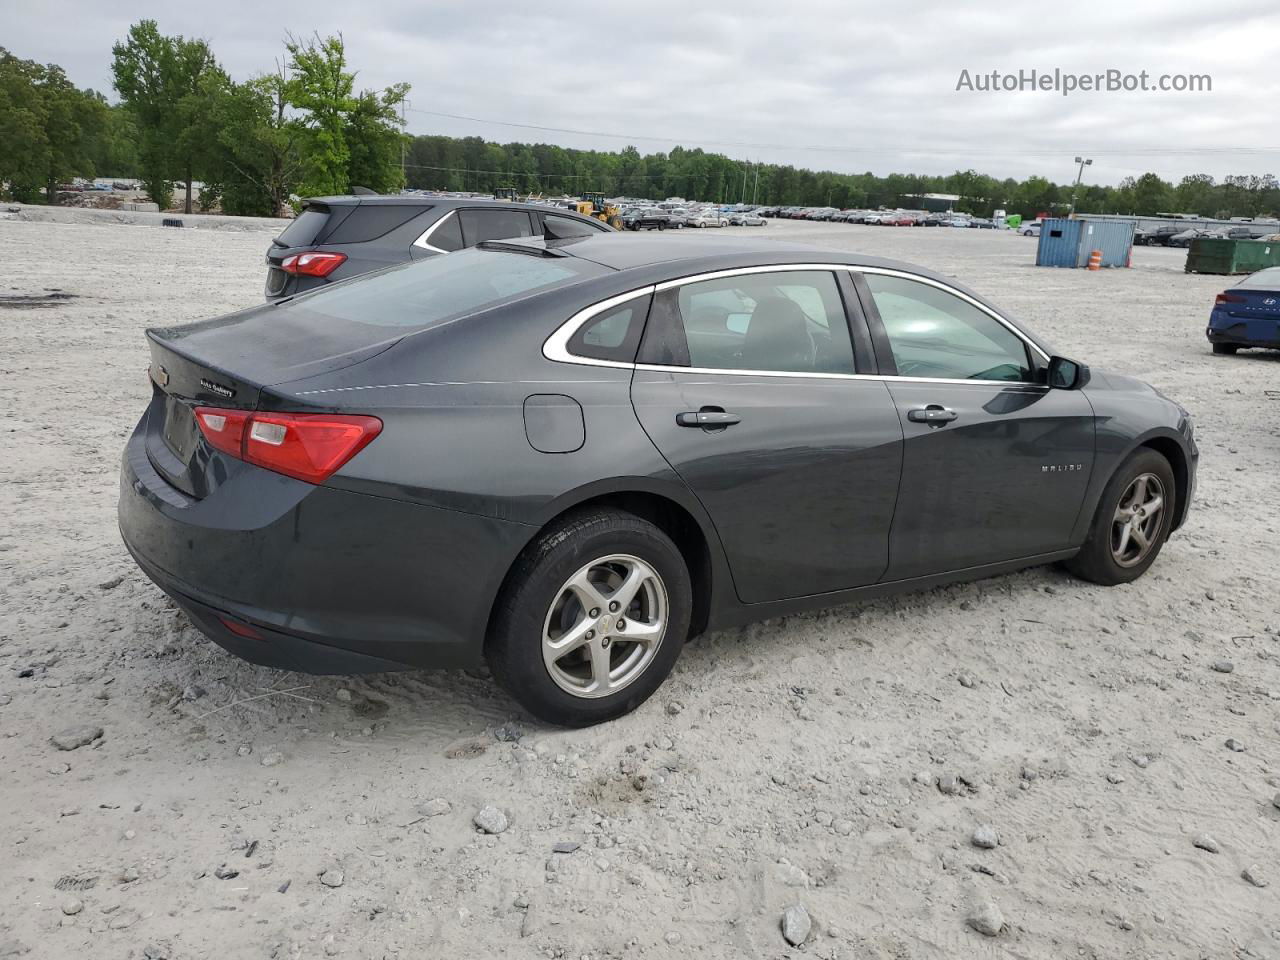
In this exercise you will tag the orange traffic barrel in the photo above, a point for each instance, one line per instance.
(1095, 260)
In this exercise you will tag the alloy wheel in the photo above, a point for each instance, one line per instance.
(604, 626)
(1135, 527)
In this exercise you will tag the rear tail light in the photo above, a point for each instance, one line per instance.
(240, 629)
(306, 446)
(224, 429)
(1228, 298)
(314, 263)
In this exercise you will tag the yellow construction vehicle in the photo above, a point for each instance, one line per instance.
(593, 205)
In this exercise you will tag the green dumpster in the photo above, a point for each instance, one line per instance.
(1219, 255)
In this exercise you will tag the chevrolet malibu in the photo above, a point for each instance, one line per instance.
(566, 457)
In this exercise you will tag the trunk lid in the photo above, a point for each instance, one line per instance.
(225, 363)
(1247, 304)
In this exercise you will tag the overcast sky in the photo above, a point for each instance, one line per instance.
(818, 83)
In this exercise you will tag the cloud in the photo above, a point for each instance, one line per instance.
(844, 86)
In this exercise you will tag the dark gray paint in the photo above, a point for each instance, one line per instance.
(822, 494)
(553, 423)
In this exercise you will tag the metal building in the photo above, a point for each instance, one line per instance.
(1069, 243)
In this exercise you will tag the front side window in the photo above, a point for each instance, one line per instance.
(785, 322)
(935, 334)
(481, 225)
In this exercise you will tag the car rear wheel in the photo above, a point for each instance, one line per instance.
(592, 619)
(1225, 348)
(1132, 522)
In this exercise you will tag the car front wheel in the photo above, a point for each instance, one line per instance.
(592, 619)
(1132, 522)
(1227, 348)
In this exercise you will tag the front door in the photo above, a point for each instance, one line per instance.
(744, 384)
(995, 463)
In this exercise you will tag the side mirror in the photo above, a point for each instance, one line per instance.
(1067, 374)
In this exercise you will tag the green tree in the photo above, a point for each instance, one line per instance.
(322, 86)
(48, 127)
(375, 140)
(258, 159)
(164, 83)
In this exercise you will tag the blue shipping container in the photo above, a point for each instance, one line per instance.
(1069, 243)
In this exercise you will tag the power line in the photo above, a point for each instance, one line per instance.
(824, 148)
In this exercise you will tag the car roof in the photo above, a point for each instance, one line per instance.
(414, 200)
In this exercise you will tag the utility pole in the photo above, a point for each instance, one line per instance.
(1084, 162)
(755, 186)
(403, 145)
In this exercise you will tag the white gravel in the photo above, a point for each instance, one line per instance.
(763, 741)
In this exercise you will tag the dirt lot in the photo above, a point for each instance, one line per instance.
(841, 760)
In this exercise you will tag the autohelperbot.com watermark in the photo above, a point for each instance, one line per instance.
(1066, 82)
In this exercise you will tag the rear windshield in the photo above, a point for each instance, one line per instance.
(425, 293)
(1268, 279)
(304, 228)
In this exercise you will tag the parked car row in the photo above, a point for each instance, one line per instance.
(883, 218)
(1172, 235)
(677, 218)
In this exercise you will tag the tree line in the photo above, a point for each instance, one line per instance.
(471, 163)
(301, 130)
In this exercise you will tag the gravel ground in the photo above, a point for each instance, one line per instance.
(1029, 755)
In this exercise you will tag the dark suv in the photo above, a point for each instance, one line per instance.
(334, 238)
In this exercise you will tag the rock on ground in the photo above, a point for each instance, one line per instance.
(985, 837)
(77, 736)
(796, 924)
(985, 917)
(490, 820)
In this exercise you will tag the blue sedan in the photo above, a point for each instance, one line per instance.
(1248, 314)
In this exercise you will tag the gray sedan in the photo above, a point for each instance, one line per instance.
(566, 457)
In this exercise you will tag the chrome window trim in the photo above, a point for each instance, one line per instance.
(422, 244)
(556, 347)
(745, 271)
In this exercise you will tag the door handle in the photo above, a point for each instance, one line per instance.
(933, 413)
(709, 418)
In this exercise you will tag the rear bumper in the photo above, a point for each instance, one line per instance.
(1243, 333)
(331, 581)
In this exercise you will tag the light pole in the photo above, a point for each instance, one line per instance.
(1084, 162)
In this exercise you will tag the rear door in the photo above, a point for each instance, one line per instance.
(995, 464)
(746, 382)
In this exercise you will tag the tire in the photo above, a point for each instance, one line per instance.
(1227, 348)
(538, 606)
(1098, 560)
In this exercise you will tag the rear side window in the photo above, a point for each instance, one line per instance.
(304, 228)
(481, 225)
(784, 322)
(446, 235)
(1268, 279)
(432, 291)
(612, 335)
(371, 222)
(562, 228)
